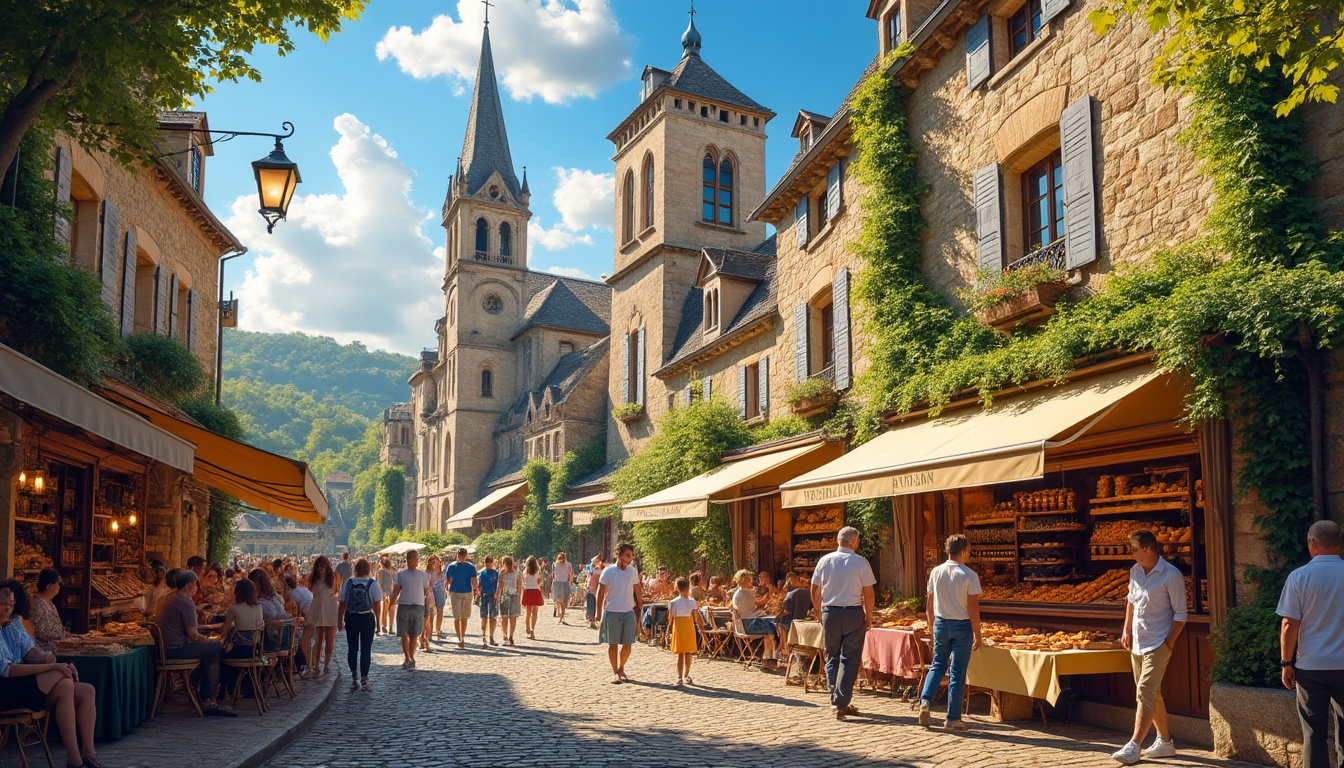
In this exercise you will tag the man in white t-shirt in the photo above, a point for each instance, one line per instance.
(620, 599)
(1312, 642)
(410, 591)
(953, 602)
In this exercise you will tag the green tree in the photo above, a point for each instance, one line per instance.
(498, 543)
(111, 65)
(534, 530)
(387, 503)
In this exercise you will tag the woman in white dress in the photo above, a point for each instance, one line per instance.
(562, 580)
(323, 615)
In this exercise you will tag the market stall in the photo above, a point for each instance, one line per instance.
(118, 661)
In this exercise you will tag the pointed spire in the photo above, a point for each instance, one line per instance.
(690, 40)
(485, 148)
(525, 190)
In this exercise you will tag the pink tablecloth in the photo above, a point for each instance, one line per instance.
(892, 651)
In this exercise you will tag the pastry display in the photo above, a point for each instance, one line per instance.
(1110, 586)
(814, 544)
(818, 520)
(993, 553)
(1025, 639)
(991, 536)
(1048, 500)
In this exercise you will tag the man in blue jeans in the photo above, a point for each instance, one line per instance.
(842, 584)
(954, 603)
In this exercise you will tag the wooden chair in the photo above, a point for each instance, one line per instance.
(28, 727)
(171, 671)
(250, 668)
(713, 638)
(806, 658)
(279, 669)
(750, 648)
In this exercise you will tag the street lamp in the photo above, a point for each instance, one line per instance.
(277, 177)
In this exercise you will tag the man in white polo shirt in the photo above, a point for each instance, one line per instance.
(842, 585)
(1311, 643)
(1155, 615)
(953, 603)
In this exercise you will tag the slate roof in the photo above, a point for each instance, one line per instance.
(760, 303)
(503, 472)
(596, 476)
(564, 378)
(694, 77)
(561, 302)
(744, 264)
(485, 148)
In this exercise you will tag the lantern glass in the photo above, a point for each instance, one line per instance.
(277, 178)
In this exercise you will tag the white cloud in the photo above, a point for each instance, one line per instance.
(355, 265)
(570, 272)
(585, 199)
(556, 49)
(556, 238)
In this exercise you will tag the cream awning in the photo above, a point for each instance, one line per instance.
(465, 518)
(721, 484)
(587, 502)
(42, 388)
(274, 484)
(1003, 443)
(400, 548)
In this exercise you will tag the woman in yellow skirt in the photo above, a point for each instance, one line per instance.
(682, 613)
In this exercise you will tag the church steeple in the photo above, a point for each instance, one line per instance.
(485, 148)
(690, 39)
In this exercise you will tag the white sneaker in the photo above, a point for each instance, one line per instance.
(1161, 748)
(1128, 754)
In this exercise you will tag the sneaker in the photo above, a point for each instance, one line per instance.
(1161, 748)
(1128, 754)
(688, 681)
(954, 725)
(925, 714)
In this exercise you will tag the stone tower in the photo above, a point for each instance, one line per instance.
(690, 167)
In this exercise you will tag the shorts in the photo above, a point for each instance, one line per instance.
(618, 628)
(461, 604)
(410, 620)
(440, 598)
(489, 607)
(508, 606)
(560, 592)
(1149, 669)
(532, 598)
(761, 625)
(22, 693)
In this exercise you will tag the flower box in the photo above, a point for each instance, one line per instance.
(810, 406)
(628, 412)
(1030, 306)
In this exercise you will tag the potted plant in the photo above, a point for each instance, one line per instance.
(1004, 299)
(628, 412)
(811, 396)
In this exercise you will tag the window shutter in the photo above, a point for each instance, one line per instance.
(128, 287)
(172, 305)
(639, 368)
(988, 218)
(1052, 8)
(625, 371)
(800, 342)
(1080, 186)
(977, 53)
(833, 190)
(706, 389)
(63, 171)
(800, 221)
(160, 308)
(742, 391)
(193, 302)
(107, 254)
(763, 385)
(840, 310)
(686, 396)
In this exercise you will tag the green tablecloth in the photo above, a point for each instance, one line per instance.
(125, 688)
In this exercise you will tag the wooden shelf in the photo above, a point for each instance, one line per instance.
(34, 521)
(1046, 546)
(995, 521)
(1142, 496)
(1139, 508)
(1026, 564)
(1180, 555)
(1050, 512)
(1057, 529)
(828, 549)
(1050, 579)
(993, 559)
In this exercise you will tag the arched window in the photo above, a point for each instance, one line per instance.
(448, 457)
(711, 189)
(505, 240)
(482, 237)
(628, 208)
(487, 383)
(648, 192)
(726, 191)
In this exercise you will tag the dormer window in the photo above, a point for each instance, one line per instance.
(893, 29)
(711, 308)
(807, 140)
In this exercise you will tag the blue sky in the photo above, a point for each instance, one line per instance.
(380, 116)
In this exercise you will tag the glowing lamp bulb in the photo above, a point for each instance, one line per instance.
(115, 526)
(131, 519)
(39, 484)
(23, 479)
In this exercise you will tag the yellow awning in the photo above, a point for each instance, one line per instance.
(1004, 443)
(721, 484)
(587, 502)
(465, 518)
(271, 483)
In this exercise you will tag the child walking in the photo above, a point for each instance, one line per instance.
(683, 615)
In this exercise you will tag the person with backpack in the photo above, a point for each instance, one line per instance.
(359, 603)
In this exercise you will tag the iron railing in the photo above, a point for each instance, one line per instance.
(1052, 254)
(483, 256)
(826, 374)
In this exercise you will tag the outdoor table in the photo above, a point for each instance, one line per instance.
(123, 685)
(1036, 673)
(892, 651)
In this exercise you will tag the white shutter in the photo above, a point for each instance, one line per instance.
(1080, 186)
(1052, 8)
(800, 341)
(840, 314)
(107, 255)
(800, 221)
(639, 368)
(128, 286)
(988, 218)
(763, 385)
(978, 61)
(742, 391)
(833, 190)
(63, 170)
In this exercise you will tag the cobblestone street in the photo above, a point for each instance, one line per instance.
(547, 702)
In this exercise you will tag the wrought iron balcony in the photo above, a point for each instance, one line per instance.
(1052, 255)
(483, 256)
(826, 374)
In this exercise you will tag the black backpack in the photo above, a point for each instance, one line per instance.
(357, 597)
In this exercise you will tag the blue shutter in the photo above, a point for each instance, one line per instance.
(706, 389)
(193, 300)
(742, 391)
(625, 370)
(156, 317)
(1052, 8)
(763, 385)
(639, 368)
(107, 255)
(1080, 186)
(840, 313)
(63, 172)
(128, 287)
(172, 305)
(800, 341)
(800, 221)
(833, 190)
(977, 53)
(686, 396)
(988, 219)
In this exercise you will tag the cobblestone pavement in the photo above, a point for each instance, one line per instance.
(549, 703)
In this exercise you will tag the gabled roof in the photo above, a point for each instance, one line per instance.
(575, 305)
(503, 471)
(761, 304)
(485, 148)
(731, 262)
(815, 120)
(568, 373)
(693, 77)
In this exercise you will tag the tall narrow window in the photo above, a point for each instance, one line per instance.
(894, 30)
(196, 170)
(628, 207)
(828, 335)
(1043, 202)
(632, 367)
(482, 238)
(726, 191)
(1024, 27)
(487, 383)
(710, 189)
(505, 241)
(648, 192)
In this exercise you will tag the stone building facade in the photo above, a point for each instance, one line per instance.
(517, 361)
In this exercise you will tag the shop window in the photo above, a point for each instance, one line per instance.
(1043, 203)
(1024, 26)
